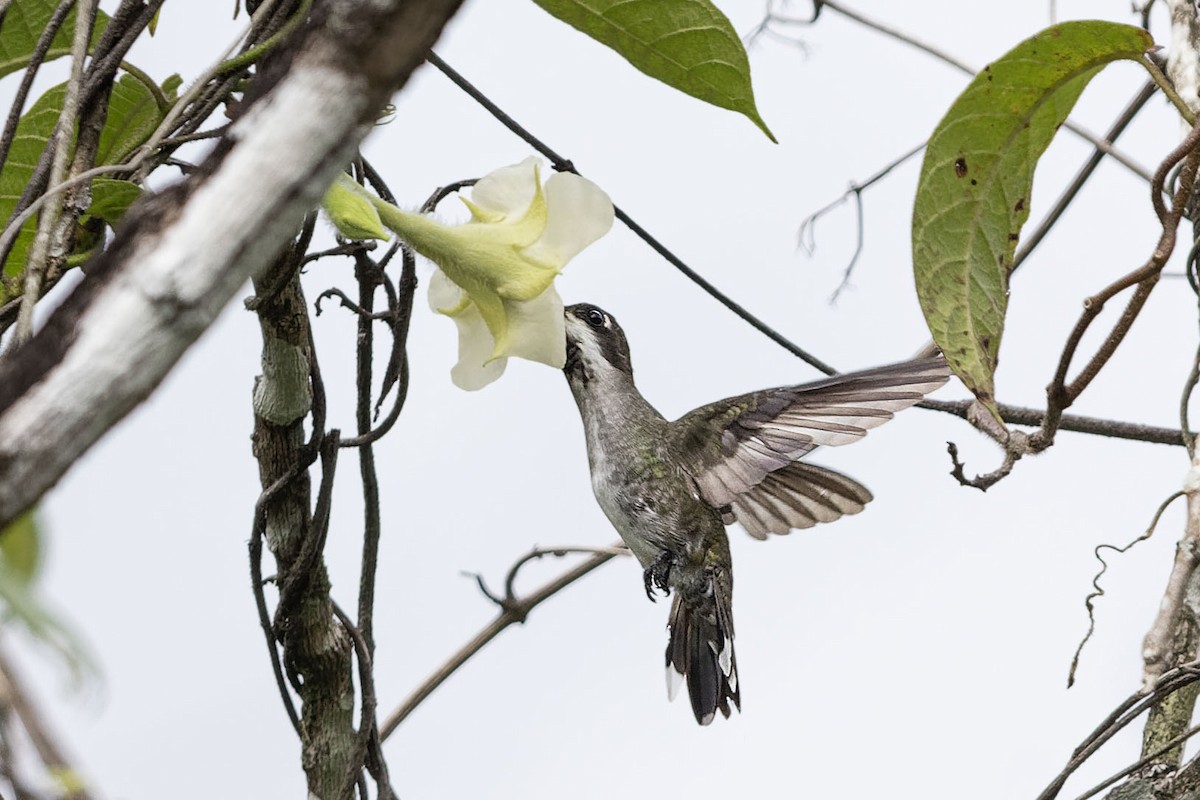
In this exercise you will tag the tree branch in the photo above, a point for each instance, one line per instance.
(60, 141)
(180, 257)
(513, 610)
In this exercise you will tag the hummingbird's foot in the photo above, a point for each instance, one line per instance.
(658, 574)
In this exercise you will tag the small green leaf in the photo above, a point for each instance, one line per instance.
(687, 44)
(170, 87)
(112, 198)
(133, 114)
(19, 547)
(20, 554)
(23, 25)
(20, 603)
(974, 192)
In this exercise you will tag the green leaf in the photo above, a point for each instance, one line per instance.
(112, 198)
(19, 603)
(20, 553)
(23, 25)
(973, 195)
(133, 114)
(170, 87)
(687, 44)
(19, 547)
(33, 129)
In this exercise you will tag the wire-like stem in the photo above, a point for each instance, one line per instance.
(1164, 84)
(564, 165)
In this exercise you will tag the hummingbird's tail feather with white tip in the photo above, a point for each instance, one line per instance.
(700, 650)
(797, 496)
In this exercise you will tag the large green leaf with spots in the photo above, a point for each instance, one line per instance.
(973, 195)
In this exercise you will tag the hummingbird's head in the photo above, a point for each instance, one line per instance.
(596, 345)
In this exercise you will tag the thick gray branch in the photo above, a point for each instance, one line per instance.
(180, 257)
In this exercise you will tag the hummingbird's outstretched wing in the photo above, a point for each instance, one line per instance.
(742, 452)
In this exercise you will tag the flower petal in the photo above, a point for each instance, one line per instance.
(508, 190)
(446, 296)
(475, 368)
(536, 330)
(578, 213)
(476, 365)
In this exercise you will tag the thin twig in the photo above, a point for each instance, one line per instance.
(344, 299)
(1164, 84)
(122, 29)
(1106, 147)
(1189, 386)
(1030, 242)
(99, 71)
(367, 273)
(1119, 718)
(512, 613)
(14, 227)
(193, 91)
(1135, 766)
(557, 552)
(60, 140)
(1098, 591)
(256, 585)
(1061, 394)
(1032, 417)
(398, 363)
(806, 236)
(988, 479)
(294, 584)
(36, 58)
(44, 744)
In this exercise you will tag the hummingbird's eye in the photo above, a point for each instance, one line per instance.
(595, 317)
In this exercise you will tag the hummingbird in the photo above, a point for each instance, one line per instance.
(670, 488)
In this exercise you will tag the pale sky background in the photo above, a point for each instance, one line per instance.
(924, 643)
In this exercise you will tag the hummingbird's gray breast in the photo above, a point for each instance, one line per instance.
(643, 490)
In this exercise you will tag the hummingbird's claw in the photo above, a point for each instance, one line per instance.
(648, 577)
(658, 575)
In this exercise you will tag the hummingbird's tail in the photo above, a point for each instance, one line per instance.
(701, 650)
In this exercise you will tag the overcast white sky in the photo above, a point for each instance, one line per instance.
(923, 643)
